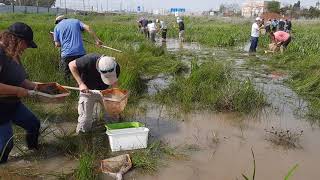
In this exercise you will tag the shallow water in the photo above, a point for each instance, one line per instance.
(236, 135)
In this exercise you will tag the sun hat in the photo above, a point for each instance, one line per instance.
(59, 18)
(107, 68)
(23, 31)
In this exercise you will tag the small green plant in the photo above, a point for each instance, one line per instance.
(86, 167)
(254, 168)
(291, 171)
(287, 177)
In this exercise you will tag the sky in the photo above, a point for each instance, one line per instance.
(193, 5)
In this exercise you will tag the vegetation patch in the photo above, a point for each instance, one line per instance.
(211, 85)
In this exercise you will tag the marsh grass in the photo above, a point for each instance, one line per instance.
(301, 59)
(211, 85)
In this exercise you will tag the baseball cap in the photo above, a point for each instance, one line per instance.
(23, 31)
(258, 19)
(107, 67)
(59, 18)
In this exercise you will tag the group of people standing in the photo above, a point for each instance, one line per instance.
(277, 25)
(151, 27)
(279, 32)
(90, 71)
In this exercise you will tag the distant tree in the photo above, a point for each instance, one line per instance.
(222, 8)
(273, 6)
(6, 2)
(296, 6)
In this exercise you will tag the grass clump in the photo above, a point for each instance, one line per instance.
(148, 160)
(86, 167)
(212, 86)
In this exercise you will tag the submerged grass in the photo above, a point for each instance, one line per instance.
(148, 160)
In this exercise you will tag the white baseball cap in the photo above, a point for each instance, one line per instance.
(107, 68)
(258, 19)
(59, 18)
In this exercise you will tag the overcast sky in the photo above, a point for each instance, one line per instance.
(193, 5)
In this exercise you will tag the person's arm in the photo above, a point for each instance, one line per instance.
(13, 90)
(56, 38)
(75, 73)
(57, 44)
(29, 85)
(90, 31)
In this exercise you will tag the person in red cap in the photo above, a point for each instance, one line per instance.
(13, 86)
(94, 72)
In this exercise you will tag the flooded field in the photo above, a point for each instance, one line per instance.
(220, 143)
(215, 145)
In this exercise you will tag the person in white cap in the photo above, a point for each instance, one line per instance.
(152, 28)
(255, 35)
(67, 36)
(181, 28)
(92, 72)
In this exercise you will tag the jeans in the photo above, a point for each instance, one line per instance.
(254, 44)
(18, 114)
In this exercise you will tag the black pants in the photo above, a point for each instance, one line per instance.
(64, 65)
(286, 43)
(164, 34)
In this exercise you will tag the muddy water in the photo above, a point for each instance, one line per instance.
(223, 141)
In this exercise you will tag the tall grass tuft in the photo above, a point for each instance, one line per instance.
(86, 167)
(212, 86)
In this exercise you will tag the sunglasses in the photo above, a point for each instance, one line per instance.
(107, 71)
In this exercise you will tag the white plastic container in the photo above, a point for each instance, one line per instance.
(128, 138)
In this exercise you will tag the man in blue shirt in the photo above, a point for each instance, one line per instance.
(67, 35)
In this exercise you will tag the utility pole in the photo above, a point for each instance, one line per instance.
(84, 7)
(121, 5)
(97, 6)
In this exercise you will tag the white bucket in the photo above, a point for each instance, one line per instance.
(128, 138)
